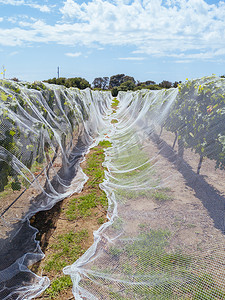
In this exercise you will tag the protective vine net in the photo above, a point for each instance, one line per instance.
(165, 184)
(44, 132)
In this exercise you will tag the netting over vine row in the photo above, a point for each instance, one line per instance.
(165, 234)
(44, 132)
(164, 238)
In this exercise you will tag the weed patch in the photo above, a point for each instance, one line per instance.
(161, 195)
(82, 206)
(115, 103)
(114, 121)
(67, 249)
(57, 286)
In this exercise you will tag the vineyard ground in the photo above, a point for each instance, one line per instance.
(66, 231)
(208, 187)
(196, 214)
(195, 227)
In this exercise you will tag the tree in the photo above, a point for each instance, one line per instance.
(105, 84)
(114, 91)
(146, 83)
(165, 84)
(51, 81)
(97, 83)
(77, 82)
(149, 87)
(117, 80)
(128, 78)
(127, 86)
(149, 82)
(101, 83)
(61, 80)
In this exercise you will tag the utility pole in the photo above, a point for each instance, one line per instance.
(58, 71)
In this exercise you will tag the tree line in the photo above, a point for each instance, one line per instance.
(77, 82)
(115, 83)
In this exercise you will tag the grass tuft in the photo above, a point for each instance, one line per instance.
(161, 195)
(67, 249)
(114, 121)
(115, 103)
(57, 285)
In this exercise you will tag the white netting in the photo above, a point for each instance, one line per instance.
(165, 235)
(164, 238)
(45, 130)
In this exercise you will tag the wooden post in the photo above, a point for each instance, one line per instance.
(200, 164)
(175, 140)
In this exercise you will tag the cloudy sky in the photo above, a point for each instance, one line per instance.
(147, 39)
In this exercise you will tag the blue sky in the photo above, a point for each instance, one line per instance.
(147, 39)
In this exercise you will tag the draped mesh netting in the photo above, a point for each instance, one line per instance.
(165, 184)
(44, 132)
(165, 235)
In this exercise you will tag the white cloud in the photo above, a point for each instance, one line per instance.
(22, 20)
(181, 26)
(42, 8)
(181, 29)
(131, 58)
(71, 9)
(12, 20)
(1, 19)
(76, 54)
(12, 2)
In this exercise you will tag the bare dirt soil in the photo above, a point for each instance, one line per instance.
(196, 214)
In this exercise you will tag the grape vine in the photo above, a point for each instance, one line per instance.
(197, 118)
(36, 121)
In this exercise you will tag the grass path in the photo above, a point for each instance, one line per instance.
(66, 231)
